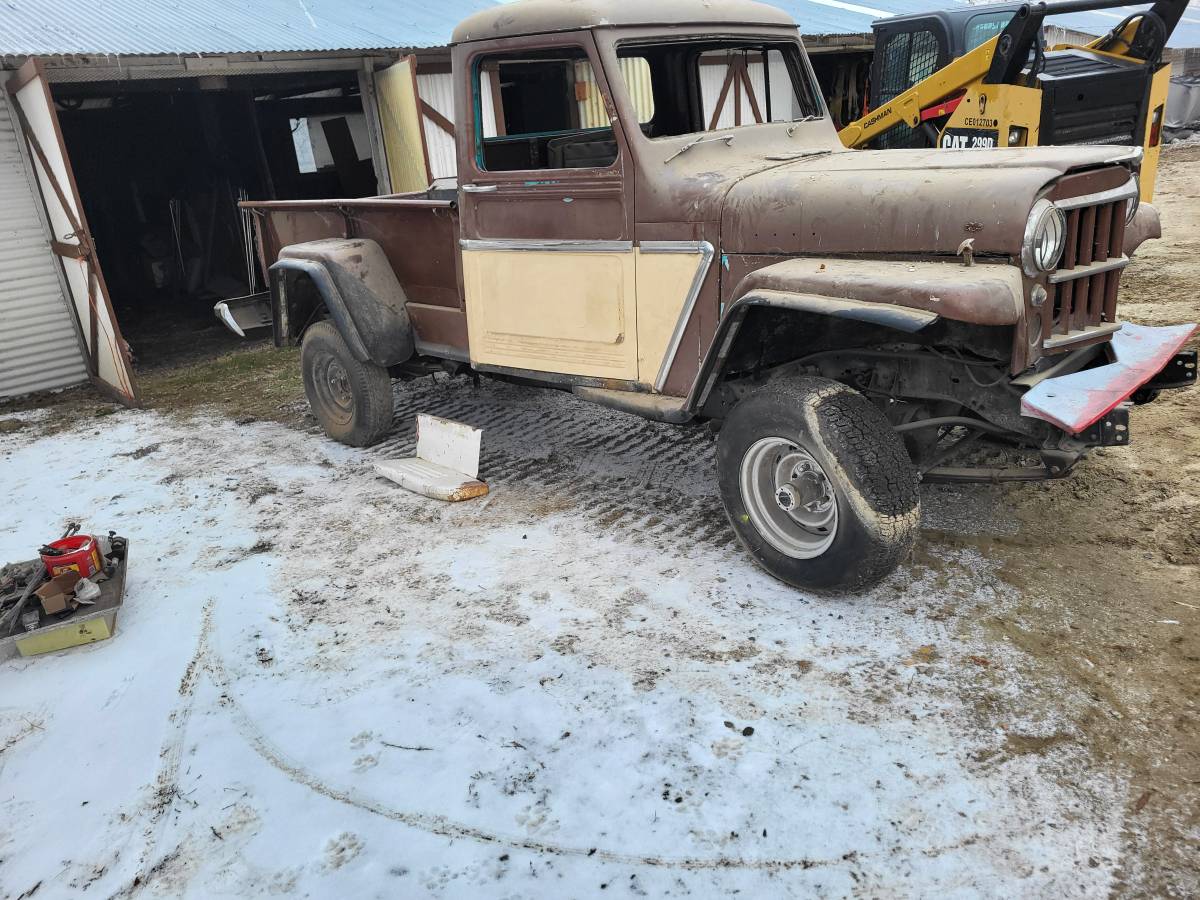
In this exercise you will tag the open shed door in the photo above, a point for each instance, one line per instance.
(70, 239)
(400, 119)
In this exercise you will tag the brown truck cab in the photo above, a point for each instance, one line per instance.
(653, 211)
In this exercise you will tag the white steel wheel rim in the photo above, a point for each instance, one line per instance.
(788, 497)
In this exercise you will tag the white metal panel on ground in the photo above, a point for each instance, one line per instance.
(39, 344)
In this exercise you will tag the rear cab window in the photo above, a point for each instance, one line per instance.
(984, 27)
(693, 86)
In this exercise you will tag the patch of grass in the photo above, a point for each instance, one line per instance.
(258, 383)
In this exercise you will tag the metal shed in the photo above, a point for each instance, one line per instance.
(149, 120)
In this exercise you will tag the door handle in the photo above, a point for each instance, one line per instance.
(479, 188)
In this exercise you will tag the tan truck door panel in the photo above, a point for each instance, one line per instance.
(669, 277)
(70, 239)
(549, 274)
(561, 306)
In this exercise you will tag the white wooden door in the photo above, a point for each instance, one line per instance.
(70, 240)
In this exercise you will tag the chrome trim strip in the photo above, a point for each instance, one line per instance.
(1075, 337)
(1104, 265)
(706, 251)
(1127, 191)
(1133, 154)
(673, 246)
(576, 246)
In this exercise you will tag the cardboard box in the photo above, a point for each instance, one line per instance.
(56, 594)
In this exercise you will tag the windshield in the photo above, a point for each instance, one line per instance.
(690, 87)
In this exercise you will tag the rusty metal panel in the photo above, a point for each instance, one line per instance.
(40, 347)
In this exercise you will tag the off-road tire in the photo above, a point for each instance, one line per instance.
(351, 399)
(874, 484)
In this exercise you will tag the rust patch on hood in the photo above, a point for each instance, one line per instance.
(895, 201)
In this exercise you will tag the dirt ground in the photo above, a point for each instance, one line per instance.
(1108, 567)
(1104, 565)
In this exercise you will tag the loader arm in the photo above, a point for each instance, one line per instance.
(934, 94)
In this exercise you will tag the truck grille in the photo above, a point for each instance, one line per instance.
(1082, 292)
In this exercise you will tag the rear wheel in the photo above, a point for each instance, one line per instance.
(351, 399)
(817, 485)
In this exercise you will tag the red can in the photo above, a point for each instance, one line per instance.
(81, 554)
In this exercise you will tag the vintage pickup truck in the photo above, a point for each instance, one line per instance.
(853, 321)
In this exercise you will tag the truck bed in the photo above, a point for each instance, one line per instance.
(417, 232)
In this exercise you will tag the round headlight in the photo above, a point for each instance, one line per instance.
(1045, 237)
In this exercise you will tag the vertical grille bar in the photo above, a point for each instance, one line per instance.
(1070, 254)
(1087, 247)
(1054, 294)
(1116, 247)
(1065, 290)
(1087, 236)
(1096, 294)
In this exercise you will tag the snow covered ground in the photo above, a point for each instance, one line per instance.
(322, 685)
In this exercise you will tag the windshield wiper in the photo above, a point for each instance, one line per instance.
(727, 138)
(792, 128)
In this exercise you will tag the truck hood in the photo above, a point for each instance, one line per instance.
(896, 201)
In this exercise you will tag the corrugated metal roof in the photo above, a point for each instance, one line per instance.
(838, 17)
(143, 27)
(146, 27)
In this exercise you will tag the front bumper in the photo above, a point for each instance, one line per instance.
(1139, 353)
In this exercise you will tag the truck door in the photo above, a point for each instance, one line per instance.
(544, 188)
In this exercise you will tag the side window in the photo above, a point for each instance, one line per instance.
(983, 27)
(922, 61)
(893, 73)
(635, 70)
(541, 110)
(908, 57)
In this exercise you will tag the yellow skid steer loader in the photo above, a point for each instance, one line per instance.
(936, 81)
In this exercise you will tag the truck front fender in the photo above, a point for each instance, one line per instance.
(905, 297)
(356, 284)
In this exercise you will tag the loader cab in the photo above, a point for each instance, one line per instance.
(910, 48)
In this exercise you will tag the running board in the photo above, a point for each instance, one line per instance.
(655, 407)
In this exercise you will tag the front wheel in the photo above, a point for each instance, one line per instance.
(817, 485)
(351, 399)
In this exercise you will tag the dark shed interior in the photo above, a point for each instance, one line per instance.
(161, 166)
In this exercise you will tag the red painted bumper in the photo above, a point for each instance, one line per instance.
(1077, 401)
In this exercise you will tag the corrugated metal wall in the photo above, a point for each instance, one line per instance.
(636, 72)
(39, 345)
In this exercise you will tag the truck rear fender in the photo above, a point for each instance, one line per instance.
(859, 301)
(352, 281)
